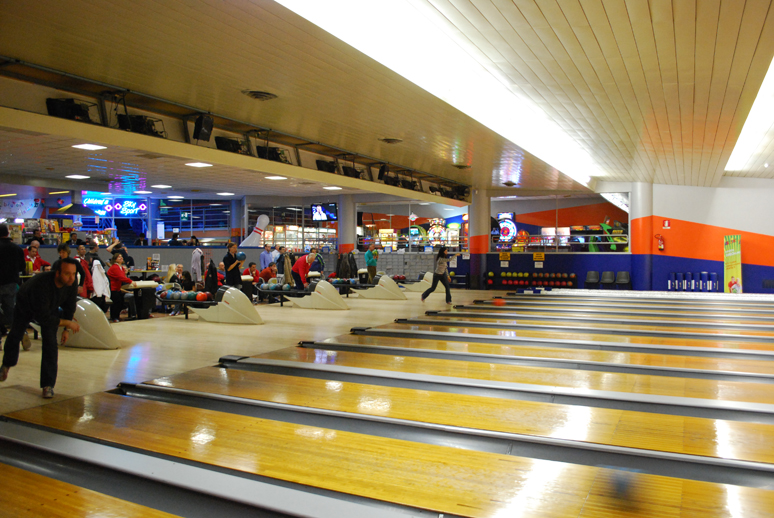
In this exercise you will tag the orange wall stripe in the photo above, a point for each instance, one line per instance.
(345, 248)
(479, 244)
(699, 241)
(583, 215)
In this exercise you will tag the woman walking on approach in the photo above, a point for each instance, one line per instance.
(441, 274)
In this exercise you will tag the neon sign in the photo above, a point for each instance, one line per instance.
(116, 208)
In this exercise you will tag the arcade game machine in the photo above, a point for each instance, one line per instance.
(508, 230)
(453, 235)
(417, 236)
(437, 232)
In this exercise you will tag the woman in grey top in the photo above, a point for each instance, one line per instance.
(441, 274)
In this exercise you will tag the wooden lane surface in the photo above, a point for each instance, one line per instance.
(448, 320)
(618, 310)
(621, 358)
(614, 299)
(676, 434)
(439, 478)
(24, 494)
(569, 334)
(674, 317)
(593, 380)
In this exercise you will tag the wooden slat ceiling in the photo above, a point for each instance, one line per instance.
(656, 91)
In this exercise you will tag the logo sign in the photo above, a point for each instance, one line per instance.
(540, 256)
(116, 208)
(505, 256)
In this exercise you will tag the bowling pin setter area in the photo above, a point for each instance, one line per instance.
(538, 405)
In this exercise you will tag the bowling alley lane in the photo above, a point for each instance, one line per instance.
(570, 334)
(437, 478)
(598, 303)
(633, 316)
(23, 493)
(574, 379)
(654, 328)
(675, 434)
(537, 352)
(639, 297)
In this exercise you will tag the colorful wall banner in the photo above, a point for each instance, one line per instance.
(732, 258)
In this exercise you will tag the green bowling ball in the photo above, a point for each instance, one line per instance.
(191, 295)
(491, 274)
(502, 274)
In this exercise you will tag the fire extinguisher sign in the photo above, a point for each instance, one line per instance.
(666, 224)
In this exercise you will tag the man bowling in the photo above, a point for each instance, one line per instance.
(39, 299)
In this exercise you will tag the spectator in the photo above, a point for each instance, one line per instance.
(265, 257)
(233, 266)
(269, 272)
(74, 241)
(93, 255)
(141, 241)
(38, 264)
(118, 278)
(36, 236)
(174, 241)
(371, 256)
(11, 264)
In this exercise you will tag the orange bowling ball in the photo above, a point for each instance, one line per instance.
(499, 302)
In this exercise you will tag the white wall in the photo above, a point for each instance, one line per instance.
(745, 204)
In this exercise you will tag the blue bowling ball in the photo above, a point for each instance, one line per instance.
(353, 281)
(241, 256)
(264, 286)
(286, 287)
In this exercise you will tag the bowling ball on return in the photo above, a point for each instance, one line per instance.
(286, 287)
(201, 296)
(163, 295)
(209, 295)
(175, 295)
(353, 281)
(241, 256)
(499, 302)
(192, 295)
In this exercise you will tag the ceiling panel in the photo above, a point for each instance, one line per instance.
(655, 91)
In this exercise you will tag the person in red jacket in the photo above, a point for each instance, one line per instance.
(252, 270)
(300, 269)
(117, 278)
(269, 272)
(32, 255)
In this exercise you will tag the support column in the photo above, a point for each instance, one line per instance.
(347, 223)
(153, 217)
(479, 219)
(641, 235)
(235, 218)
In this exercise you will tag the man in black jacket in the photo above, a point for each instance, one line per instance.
(39, 299)
(11, 263)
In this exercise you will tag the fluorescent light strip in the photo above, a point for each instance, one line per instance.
(175, 197)
(225, 194)
(752, 139)
(275, 178)
(434, 60)
(617, 199)
(77, 177)
(59, 192)
(89, 147)
(199, 164)
(160, 186)
(6, 195)
(143, 192)
(332, 188)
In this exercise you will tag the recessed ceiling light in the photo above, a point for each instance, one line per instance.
(77, 177)
(215, 204)
(766, 165)
(60, 192)
(161, 186)
(293, 208)
(105, 193)
(89, 147)
(332, 188)
(143, 192)
(275, 178)
(448, 209)
(198, 164)
(175, 197)
(6, 195)
(425, 203)
(225, 194)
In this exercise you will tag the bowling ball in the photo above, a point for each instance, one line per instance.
(240, 256)
(286, 287)
(551, 275)
(502, 274)
(176, 295)
(192, 295)
(451, 274)
(499, 302)
(572, 276)
(564, 276)
(353, 281)
(491, 274)
(163, 295)
(201, 296)
(209, 295)
(490, 281)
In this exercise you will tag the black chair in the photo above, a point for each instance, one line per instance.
(608, 279)
(623, 279)
(592, 280)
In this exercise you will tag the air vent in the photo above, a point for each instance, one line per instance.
(259, 95)
(391, 140)
(461, 166)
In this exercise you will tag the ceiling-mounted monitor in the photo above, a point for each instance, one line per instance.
(325, 212)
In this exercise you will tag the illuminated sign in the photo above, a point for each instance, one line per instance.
(116, 208)
(465, 217)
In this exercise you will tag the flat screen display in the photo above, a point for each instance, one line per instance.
(325, 212)
(504, 215)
